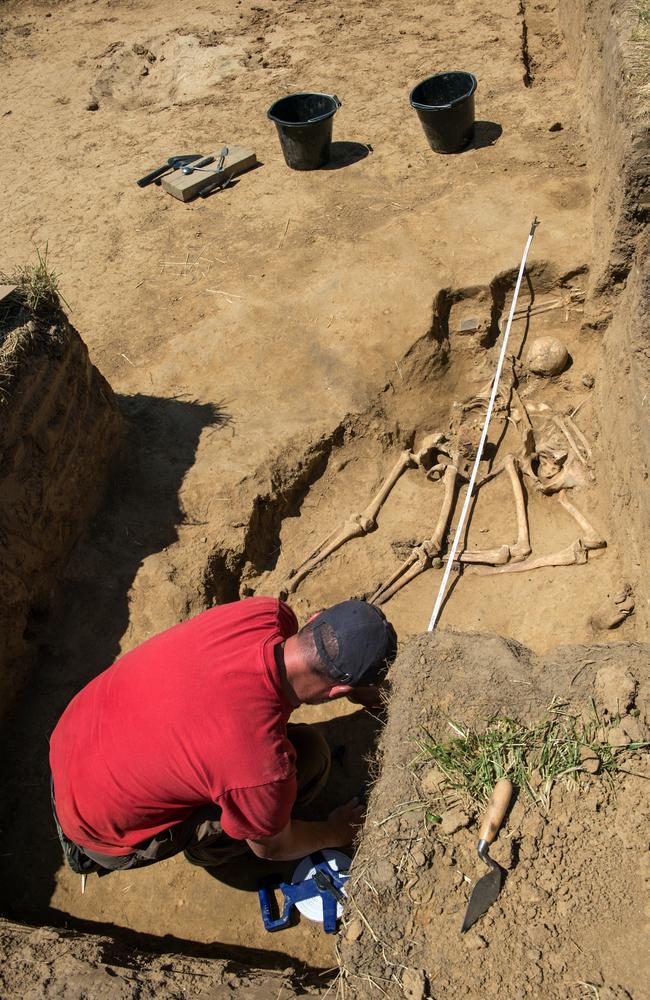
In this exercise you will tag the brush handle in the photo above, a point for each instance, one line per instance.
(151, 177)
(496, 810)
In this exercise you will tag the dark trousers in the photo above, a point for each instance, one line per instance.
(201, 836)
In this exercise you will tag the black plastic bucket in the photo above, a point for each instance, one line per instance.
(304, 124)
(445, 107)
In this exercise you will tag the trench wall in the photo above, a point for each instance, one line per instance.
(609, 48)
(59, 427)
(609, 45)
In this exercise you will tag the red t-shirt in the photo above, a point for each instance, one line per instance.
(194, 716)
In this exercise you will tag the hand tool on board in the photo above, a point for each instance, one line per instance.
(210, 187)
(318, 893)
(488, 887)
(189, 168)
(172, 163)
(231, 161)
(222, 158)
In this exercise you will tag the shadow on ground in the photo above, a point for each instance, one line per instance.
(79, 635)
(343, 154)
(485, 134)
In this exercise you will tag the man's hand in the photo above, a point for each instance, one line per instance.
(300, 838)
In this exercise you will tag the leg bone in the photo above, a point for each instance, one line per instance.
(573, 555)
(590, 537)
(360, 524)
(427, 554)
(521, 548)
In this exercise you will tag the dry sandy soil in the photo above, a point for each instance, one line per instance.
(572, 918)
(276, 346)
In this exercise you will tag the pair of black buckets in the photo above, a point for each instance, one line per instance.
(444, 103)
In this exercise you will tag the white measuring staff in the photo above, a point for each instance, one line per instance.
(493, 395)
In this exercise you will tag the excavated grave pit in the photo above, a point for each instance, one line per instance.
(339, 474)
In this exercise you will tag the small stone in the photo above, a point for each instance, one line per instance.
(616, 737)
(413, 984)
(144, 71)
(354, 930)
(92, 106)
(589, 760)
(431, 781)
(384, 873)
(615, 689)
(475, 941)
(632, 727)
(588, 380)
(556, 127)
(419, 857)
(615, 609)
(454, 820)
(547, 356)
(623, 594)
(139, 50)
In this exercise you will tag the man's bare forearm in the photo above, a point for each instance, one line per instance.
(298, 839)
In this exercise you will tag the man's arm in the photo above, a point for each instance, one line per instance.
(300, 838)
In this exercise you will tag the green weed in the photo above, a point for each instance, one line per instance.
(534, 758)
(37, 286)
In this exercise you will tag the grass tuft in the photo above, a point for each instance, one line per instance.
(534, 758)
(37, 286)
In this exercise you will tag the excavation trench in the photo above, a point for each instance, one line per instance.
(206, 507)
(279, 512)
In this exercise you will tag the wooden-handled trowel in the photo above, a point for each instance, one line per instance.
(488, 887)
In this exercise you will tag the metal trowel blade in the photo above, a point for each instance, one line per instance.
(483, 895)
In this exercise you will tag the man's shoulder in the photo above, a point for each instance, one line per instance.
(259, 612)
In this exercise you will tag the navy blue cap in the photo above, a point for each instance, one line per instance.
(366, 642)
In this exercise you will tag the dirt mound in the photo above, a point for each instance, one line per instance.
(172, 69)
(569, 919)
(59, 427)
(41, 962)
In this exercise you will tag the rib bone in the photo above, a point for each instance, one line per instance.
(524, 426)
(361, 523)
(566, 430)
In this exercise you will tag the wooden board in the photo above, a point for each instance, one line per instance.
(187, 186)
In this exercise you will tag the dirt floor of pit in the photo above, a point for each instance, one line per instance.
(571, 920)
(265, 316)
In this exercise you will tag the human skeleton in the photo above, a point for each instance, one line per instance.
(552, 468)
